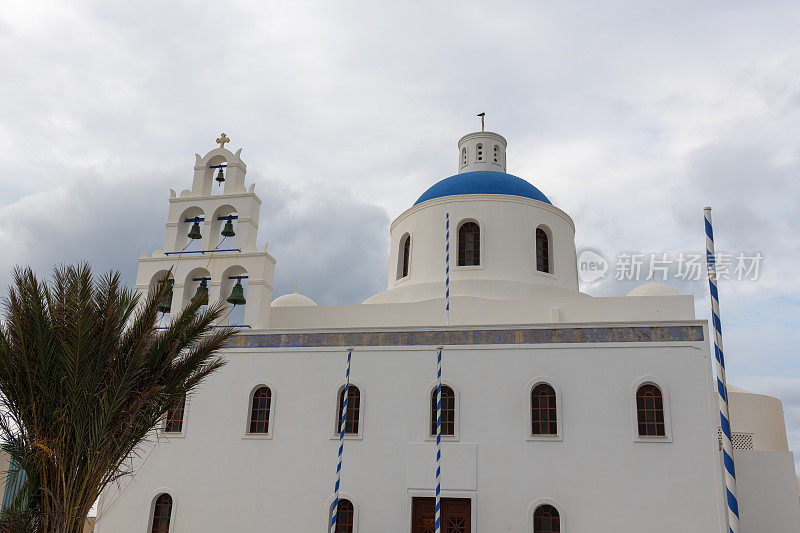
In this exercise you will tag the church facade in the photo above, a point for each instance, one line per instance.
(561, 412)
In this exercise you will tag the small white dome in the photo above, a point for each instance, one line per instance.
(293, 300)
(653, 288)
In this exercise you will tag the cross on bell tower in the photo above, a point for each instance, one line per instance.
(222, 139)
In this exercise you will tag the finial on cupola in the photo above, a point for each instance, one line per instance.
(482, 115)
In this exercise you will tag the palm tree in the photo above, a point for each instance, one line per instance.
(85, 376)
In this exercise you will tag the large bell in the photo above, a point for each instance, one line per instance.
(237, 294)
(227, 231)
(194, 233)
(202, 293)
(220, 177)
(166, 302)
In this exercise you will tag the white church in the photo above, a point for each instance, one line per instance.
(561, 412)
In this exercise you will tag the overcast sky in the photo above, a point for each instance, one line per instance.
(630, 116)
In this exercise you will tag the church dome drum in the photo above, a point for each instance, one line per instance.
(507, 239)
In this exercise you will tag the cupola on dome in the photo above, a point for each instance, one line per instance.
(483, 182)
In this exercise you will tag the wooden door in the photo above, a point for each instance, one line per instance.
(455, 515)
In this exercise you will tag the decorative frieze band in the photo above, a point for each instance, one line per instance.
(471, 337)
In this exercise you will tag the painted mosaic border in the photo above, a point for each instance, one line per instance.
(471, 337)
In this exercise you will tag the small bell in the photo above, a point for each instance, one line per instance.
(237, 294)
(227, 231)
(220, 177)
(166, 302)
(202, 293)
(194, 233)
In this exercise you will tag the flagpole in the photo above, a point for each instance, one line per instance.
(722, 385)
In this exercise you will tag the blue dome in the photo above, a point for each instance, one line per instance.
(483, 182)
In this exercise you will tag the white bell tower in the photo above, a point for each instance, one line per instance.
(226, 226)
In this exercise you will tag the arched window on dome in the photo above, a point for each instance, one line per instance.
(542, 251)
(260, 410)
(464, 156)
(404, 256)
(496, 154)
(650, 411)
(544, 419)
(448, 411)
(469, 244)
(345, 516)
(479, 152)
(162, 513)
(353, 414)
(546, 520)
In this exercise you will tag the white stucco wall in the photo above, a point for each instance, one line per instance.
(767, 490)
(219, 478)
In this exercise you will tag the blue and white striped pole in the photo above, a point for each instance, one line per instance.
(722, 386)
(438, 510)
(438, 517)
(447, 267)
(341, 442)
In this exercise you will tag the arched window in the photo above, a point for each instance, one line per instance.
(448, 411)
(174, 423)
(543, 410)
(496, 154)
(464, 157)
(546, 520)
(469, 244)
(353, 410)
(404, 256)
(162, 511)
(345, 514)
(542, 251)
(479, 152)
(650, 411)
(259, 410)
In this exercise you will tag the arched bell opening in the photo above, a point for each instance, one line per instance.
(233, 290)
(224, 227)
(191, 226)
(197, 285)
(216, 175)
(159, 279)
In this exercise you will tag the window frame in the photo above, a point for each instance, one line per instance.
(153, 497)
(559, 435)
(481, 241)
(562, 528)
(177, 434)
(329, 510)
(334, 424)
(431, 390)
(650, 380)
(248, 408)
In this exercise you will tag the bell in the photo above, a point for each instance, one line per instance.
(227, 231)
(202, 293)
(194, 233)
(220, 178)
(237, 294)
(166, 302)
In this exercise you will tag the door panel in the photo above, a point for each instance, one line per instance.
(455, 515)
